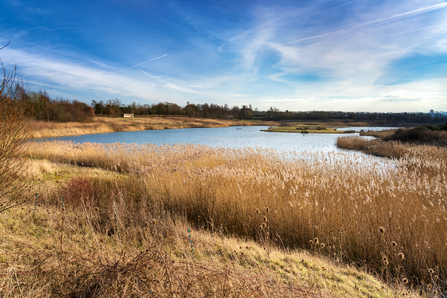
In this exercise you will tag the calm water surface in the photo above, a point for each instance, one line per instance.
(228, 137)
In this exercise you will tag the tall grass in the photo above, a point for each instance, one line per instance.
(387, 215)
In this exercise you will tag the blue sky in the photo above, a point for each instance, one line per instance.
(384, 56)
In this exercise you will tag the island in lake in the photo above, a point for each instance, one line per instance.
(306, 129)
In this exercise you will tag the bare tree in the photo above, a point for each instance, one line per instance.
(13, 136)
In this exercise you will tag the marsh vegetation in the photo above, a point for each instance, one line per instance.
(386, 216)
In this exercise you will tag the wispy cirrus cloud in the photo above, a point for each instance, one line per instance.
(306, 55)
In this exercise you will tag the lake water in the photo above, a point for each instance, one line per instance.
(228, 137)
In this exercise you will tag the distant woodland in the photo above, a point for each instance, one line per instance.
(40, 106)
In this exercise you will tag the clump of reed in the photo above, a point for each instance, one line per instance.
(389, 215)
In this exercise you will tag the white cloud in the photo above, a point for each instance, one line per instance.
(351, 53)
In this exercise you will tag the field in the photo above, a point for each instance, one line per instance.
(386, 217)
(43, 129)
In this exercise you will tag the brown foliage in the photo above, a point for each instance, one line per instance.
(13, 135)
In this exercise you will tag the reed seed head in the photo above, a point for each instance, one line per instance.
(316, 240)
(260, 227)
(405, 280)
(264, 225)
(257, 211)
(96, 209)
(265, 219)
(267, 209)
(311, 242)
(381, 230)
(154, 221)
(393, 243)
(436, 277)
(322, 245)
(430, 271)
(401, 256)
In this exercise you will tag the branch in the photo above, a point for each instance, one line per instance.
(5, 45)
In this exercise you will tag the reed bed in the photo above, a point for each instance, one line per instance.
(388, 216)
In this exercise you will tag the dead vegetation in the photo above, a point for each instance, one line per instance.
(354, 210)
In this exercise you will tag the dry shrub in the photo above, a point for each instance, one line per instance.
(13, 136)
(153, 273)
(78, 193)
(150, 273)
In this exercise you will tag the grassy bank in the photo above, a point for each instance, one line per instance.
(43, 129)
(71, 241)
(388, 217)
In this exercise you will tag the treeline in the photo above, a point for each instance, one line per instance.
(40, 106)
(274, 114)
(114, 107)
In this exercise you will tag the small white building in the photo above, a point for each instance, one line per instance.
(128, 115)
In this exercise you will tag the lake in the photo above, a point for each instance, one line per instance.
(228, 137)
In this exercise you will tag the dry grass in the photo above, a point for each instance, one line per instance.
(42, 129)
(366, 211)
(72, 248)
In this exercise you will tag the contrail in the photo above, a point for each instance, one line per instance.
(412, 13)
(396, 16)
(143, 62)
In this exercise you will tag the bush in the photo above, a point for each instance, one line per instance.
(13, 135)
